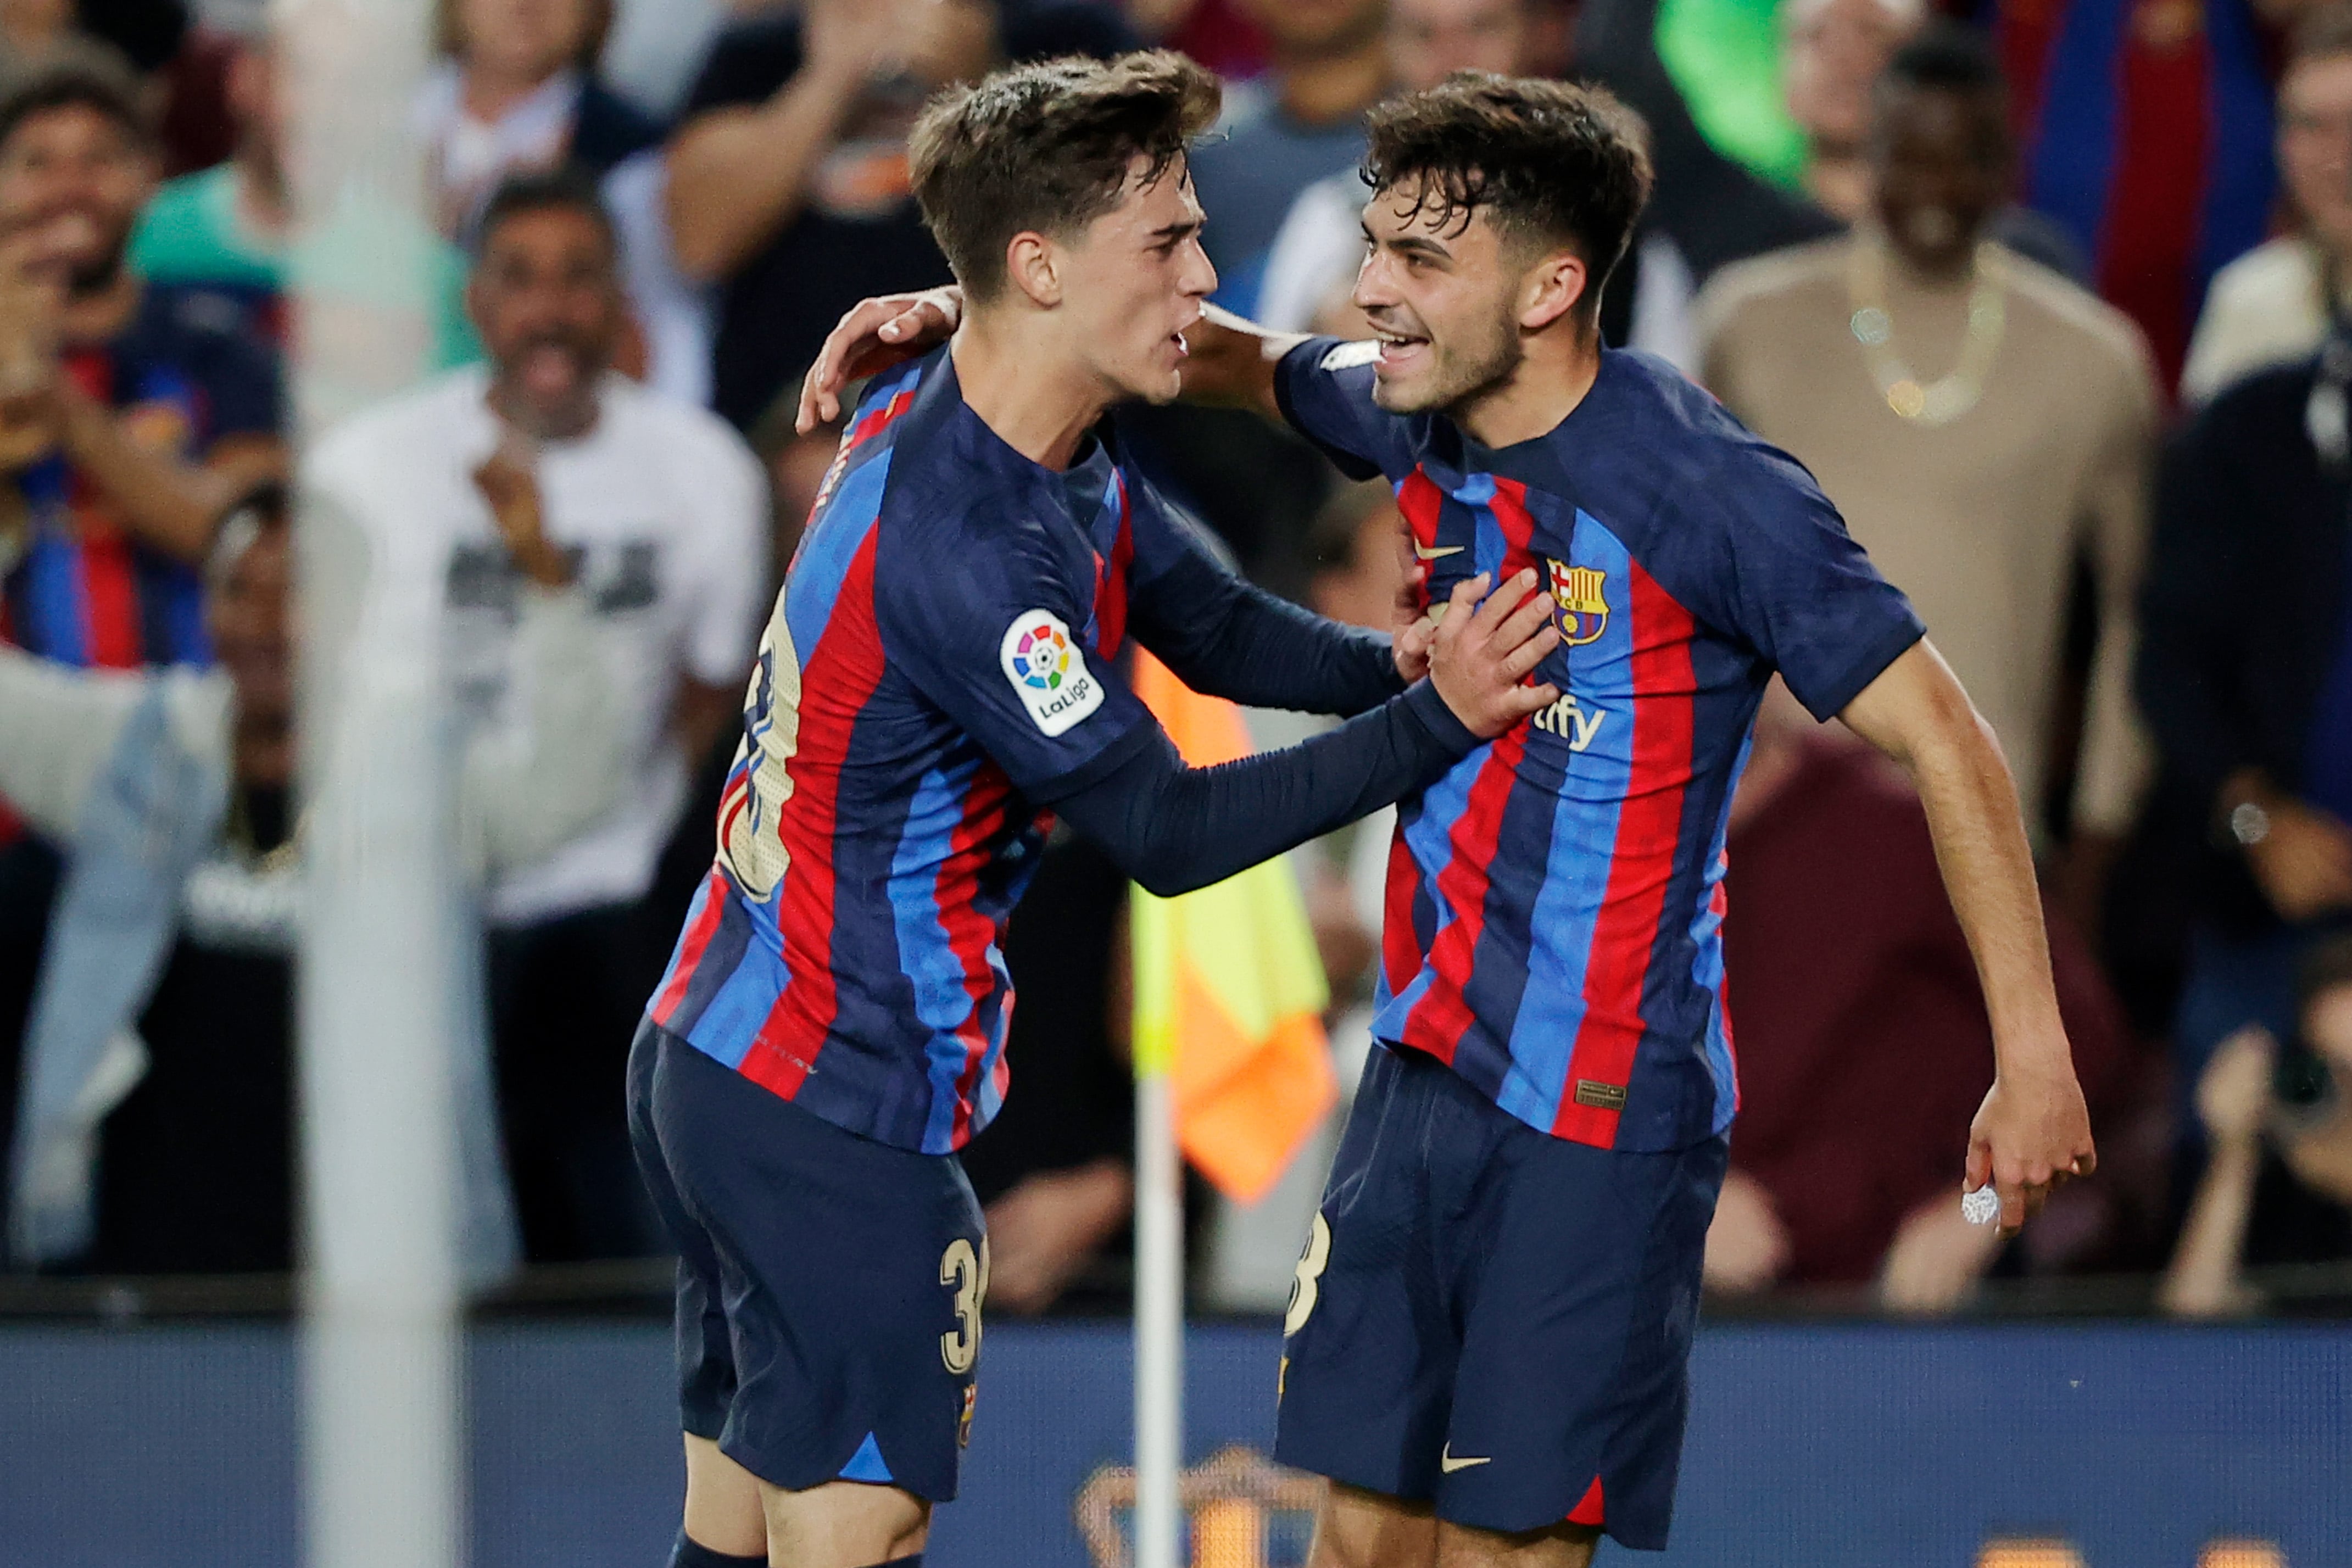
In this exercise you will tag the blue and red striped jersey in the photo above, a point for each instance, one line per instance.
(940, 661)
(84, 591)
(1555, 904)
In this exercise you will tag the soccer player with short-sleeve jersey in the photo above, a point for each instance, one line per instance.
(940, 670)
(1487, 1343)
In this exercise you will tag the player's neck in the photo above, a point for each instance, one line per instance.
(1549, 384)
(1038, 402)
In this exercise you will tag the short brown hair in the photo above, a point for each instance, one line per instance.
(77, 75)
(2322, 33)
(1548, 161)
(1048, 147)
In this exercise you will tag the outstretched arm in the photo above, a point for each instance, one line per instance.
(2033, 1130)
(1229, 360)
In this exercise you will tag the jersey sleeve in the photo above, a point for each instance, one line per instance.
(995, 640)
(1325, 389)
(1800, 590)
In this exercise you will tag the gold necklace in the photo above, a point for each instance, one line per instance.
(1940, 401)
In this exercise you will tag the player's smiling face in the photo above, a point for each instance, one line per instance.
(1441, 289)
(1132, 283)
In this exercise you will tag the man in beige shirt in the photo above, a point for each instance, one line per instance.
(1979, 421)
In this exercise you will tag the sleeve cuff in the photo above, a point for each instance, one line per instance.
(1450, 733)
(1826, 702)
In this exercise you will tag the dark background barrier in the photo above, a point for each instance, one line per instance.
(1847, 1446)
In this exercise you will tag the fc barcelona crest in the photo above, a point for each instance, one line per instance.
(1577, 595)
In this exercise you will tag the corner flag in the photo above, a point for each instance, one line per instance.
(1229, 991)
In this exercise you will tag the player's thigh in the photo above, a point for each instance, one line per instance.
(843, 1524)
(1370, 1340)
(1359, 1529)
(851, 1280)
(723, 1509)
(1555, 1546)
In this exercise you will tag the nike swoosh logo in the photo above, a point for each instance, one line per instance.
(1432, 552)
(1449, 1464)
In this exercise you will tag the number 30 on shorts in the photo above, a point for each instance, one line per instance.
(966, 1273)
(1307, 1284)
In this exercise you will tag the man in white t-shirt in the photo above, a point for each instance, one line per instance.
(665, 512)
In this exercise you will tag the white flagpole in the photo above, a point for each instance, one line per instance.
(380, 1014)
(1159, 1317)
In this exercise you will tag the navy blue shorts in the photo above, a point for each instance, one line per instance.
(829, 1287)
(1494, 1319)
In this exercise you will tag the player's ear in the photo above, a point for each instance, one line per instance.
(1552, 287)
(1033, 262)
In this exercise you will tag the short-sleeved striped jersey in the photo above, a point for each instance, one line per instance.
(1554, 905)
(939, 659)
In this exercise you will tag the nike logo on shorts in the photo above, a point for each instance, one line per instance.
(1449, 1464)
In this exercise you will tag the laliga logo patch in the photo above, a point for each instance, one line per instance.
(1048, 672)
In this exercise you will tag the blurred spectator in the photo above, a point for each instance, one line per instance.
(1302, 121)
(2146, 131)
(2249, 690)
(1864, 1046)
(663, 510)
(113, 386)
(656, 47)
(1834, 52)
(517, 91)
(2277, 1186)
(156, 1129)
(226, 230)
(2273, 303)
(146, 33)
(788, 181)
(1310, 271)
(1980, 422)
(1311, 263)
(110, 390)
(1217, 32)
(1714, 211)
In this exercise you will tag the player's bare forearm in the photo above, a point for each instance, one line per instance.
(1230, 361)
(2034, 1129)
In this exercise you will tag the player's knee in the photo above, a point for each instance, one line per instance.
(1359, 1529)
(1553, 1546)
(723, 1515)
(844, 1524)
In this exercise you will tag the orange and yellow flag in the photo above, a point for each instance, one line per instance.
(1229, 989)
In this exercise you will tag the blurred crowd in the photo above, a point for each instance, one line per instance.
(2049, 296)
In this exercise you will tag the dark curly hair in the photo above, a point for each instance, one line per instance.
(1047, 147)
(1550, 163)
